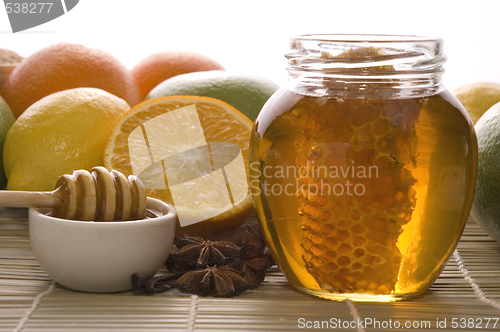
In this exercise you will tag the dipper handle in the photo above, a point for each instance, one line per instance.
(97, 195)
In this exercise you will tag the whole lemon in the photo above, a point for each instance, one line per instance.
(478, 97)
(6, 121)
(62, 132)
(246, 93)
(486, 210)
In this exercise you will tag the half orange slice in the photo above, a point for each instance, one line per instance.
(191, 152)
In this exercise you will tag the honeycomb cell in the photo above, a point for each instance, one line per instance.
(343, 235)
(357, 229)
(329, 230)
(331, 266)
(380, 127)
(323, 201)
(313, 224)
(330, 255)
(355, 215)
(359, 241)
(312, 210)
(326, 215)
(330, 243)
(344, 248)
(316, 238)
(344, 261)
(359, 253)
(316, 262)
(357, 266)
(317, 250)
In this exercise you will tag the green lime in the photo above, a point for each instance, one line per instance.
(486, 207)
(6, 121)
(246, 93)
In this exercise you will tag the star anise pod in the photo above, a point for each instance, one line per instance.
(221, 281)
(234, 235)
(253, 244)
(233, 263)
(254, 269)
(157, 284)
(254, 259)
(181, 242)
(198, 253)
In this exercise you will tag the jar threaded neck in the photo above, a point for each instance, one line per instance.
(365, 65)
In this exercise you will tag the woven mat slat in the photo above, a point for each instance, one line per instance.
(275, 306)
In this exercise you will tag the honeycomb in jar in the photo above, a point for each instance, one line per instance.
(356, 189)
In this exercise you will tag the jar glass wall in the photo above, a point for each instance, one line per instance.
(363, 169)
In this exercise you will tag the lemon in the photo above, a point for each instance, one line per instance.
(486, 210)
(477, 98)
(62, 132)
(246, 93)
(6, 121)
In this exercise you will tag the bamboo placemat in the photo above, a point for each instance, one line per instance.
(274, 306)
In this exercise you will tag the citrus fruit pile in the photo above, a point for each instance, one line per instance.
(68, 107)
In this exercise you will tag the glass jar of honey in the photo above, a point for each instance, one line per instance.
(362, 170)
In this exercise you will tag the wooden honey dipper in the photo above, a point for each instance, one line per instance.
(97, 195)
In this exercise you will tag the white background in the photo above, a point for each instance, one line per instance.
(252, 36)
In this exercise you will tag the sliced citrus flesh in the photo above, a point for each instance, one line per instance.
(170, 142)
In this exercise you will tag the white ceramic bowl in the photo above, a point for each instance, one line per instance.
(102, 256)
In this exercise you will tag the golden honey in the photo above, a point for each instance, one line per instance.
(362, 189)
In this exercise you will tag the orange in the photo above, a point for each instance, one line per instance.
(160, 66)
(150, 135)
(66, 66)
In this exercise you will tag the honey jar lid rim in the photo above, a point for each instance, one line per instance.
(368, 38)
